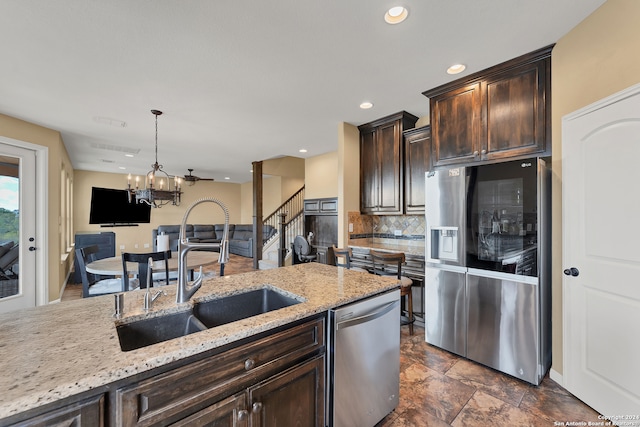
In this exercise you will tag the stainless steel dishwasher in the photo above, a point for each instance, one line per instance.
(364, 361)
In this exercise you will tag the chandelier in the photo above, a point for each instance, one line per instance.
(159, 188)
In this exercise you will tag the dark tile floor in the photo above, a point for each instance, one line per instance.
(438, 388)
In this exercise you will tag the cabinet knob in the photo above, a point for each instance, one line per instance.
(475, 153)
(249, 364)
(257, 406)
(243, 414)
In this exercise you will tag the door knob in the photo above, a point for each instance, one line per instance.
(572, 272)
(32, 248)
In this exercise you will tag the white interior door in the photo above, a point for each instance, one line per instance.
(601, 241)
(17, 228)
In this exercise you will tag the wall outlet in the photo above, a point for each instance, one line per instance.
(135, 246)
(121, 246)
(397, 232)
(146, 245)
(350, 227)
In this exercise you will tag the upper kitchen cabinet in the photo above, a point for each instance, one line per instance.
(498, 113)
(381, 163)
(417, 153)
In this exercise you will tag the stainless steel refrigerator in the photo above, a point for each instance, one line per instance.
(487, 278)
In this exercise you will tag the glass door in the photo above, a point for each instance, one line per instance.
(17, 228)
(502, 217)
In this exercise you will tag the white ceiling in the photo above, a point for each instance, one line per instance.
(240, 81)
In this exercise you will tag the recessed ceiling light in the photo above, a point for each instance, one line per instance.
(226, 177)
(121, 167)
(128, 155)
(456, 69)
(366, 105)
(396, 15)
(303, 150)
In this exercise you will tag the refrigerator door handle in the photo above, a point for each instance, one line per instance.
(503, 276)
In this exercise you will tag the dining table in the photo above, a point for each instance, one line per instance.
(112, 266)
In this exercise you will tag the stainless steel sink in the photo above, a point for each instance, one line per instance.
(237, 307)
(146, 332)
(205, 315)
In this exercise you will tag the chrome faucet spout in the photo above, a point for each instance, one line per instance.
(185, 289)
(148, 298)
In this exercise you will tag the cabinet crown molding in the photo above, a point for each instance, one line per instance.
(476, 77)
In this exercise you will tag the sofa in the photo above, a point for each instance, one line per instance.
(240, 236)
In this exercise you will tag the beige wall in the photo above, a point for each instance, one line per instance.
(321, 176)
(348, 178)
(282, 178)
(129, 237)
(272, 194)
(59, 265)
(597, 58)
(246, 202)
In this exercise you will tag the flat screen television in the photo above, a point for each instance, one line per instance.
(111, 207)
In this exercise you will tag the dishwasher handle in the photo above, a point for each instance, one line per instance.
(367, 317)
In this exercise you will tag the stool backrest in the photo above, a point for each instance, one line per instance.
(387, 263)
(342, 254)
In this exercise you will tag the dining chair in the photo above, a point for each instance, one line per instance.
(94, 284)
(390, 264)
(342, 257)
(143, 268)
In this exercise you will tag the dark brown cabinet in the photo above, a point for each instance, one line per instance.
(498, 113)
(417, 154)
(381, 163)
(226, 413)
(455, 125)
(255, 384)
(281, 400)
(295, 397)
(88, 413)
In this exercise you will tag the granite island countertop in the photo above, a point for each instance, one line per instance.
(59, 350)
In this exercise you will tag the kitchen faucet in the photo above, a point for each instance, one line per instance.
(186, 289)
(148, 298)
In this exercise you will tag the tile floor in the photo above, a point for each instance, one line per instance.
(438, 389)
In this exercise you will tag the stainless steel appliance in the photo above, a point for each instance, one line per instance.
(487, 278)
(364, 361)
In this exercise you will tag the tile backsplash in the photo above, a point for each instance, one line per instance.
(411, 227)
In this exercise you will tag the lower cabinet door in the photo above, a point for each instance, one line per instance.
(230, 412)
(293, 398)
(89, 412)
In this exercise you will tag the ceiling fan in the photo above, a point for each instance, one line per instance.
(192, 179)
